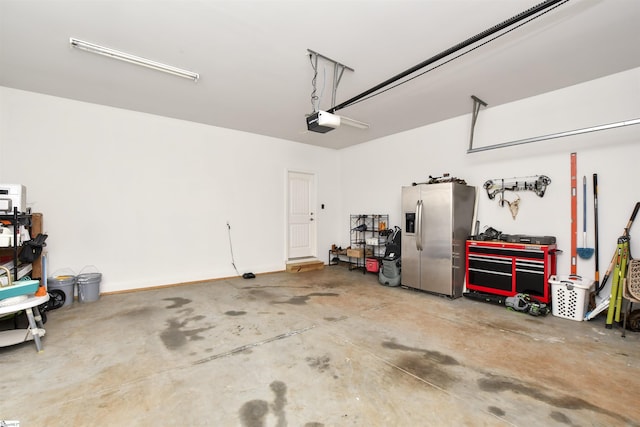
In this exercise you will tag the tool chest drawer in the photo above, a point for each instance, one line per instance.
(509, 268)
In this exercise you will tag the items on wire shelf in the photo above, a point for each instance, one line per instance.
(368, 239)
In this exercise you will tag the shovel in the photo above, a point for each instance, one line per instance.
(584, 252)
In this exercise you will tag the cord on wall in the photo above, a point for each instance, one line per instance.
(233, 262)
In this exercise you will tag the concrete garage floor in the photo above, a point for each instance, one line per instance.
(322, 348)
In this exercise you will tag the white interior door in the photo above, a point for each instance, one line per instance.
(301, 215)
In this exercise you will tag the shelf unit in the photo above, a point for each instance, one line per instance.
(365, 239)
(335, 254)
(32, 221)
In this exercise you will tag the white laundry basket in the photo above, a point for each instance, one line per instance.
(570, 296)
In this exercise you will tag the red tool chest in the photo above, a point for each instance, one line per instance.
(509, 268)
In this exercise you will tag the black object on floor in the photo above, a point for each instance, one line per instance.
(57, 298)
(490, 298)
(248, 276)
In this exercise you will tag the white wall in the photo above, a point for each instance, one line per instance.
(146, 199)
(373, 173)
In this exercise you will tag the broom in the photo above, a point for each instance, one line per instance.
(584, 252)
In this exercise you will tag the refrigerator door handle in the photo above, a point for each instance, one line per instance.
(419, 225)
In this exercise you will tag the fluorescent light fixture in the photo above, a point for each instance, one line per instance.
(353, 123)
(122, 56)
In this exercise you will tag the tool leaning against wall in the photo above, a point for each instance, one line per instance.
(584, 252)
(617, 267)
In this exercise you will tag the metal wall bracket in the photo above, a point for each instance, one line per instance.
(477, 103)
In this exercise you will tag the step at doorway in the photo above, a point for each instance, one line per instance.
(304, 264)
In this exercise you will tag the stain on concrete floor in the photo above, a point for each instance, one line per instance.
(177, 334)
(385, 356)
(303, 299)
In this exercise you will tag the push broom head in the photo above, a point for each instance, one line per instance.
(585, 253)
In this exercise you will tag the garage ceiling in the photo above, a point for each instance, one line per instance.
(255, 74)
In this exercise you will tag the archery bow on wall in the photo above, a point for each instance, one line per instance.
(538, 184)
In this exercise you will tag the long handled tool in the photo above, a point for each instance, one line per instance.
(619, 274)
(584, 252)
(574, 214)
(616, 262)
(615, 255)
(595, 222)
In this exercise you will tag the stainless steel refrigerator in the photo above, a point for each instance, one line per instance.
(437, 220)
